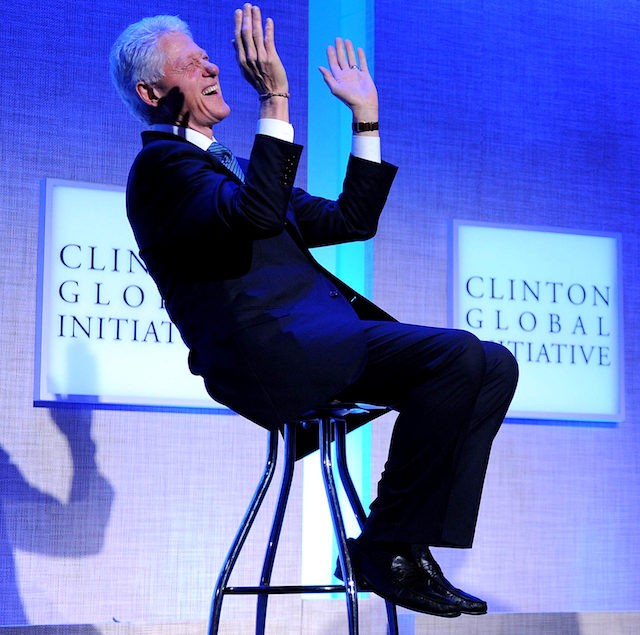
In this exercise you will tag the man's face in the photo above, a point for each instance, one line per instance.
(191, 83)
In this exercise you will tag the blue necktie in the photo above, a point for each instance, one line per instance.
(227, 158)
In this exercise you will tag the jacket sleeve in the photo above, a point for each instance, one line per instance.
(354, 215)
(181, 182)
(186, 215)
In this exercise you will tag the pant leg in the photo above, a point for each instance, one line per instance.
(498, 387)
(433, 377)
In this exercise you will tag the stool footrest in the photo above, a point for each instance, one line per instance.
(283, 589)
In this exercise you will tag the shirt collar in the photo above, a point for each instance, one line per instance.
(193, 136)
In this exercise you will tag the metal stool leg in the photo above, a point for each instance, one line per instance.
(243, 531)
(345, 476)
(276, 526)
(356, 505)
(326, 424)
(331, 424)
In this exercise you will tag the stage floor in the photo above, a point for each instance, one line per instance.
(329, 618)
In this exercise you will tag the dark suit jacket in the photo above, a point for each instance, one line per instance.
(271, 331)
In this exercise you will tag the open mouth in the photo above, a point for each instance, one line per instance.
(210, 90)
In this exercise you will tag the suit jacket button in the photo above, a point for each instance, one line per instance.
(333, 293)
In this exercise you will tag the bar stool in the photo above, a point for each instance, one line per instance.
(332, 421)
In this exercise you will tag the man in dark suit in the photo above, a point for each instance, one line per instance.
(271, 332)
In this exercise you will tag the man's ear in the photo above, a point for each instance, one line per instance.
(147, 94)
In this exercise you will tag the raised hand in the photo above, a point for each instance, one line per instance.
(349, 80)
(256, 52)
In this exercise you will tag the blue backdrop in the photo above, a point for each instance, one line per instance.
(514, 112)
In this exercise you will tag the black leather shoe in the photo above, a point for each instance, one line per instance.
(434, 580)
(397, 578)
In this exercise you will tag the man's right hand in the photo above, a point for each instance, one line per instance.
(259, 61)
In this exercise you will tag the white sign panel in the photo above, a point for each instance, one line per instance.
(103, 336)
(553, 298)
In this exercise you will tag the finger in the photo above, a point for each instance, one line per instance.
(332, 58)
(269, 36)
(247, 33)
(237, 18)
(256, 27)
(333, 84)
(327, 75)
(237, 41)
(351, 54)
(362, 58)
(341, 55)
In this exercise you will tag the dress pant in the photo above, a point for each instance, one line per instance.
(451, 391)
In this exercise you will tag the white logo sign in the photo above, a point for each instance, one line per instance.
(103, 333)
(553, 299)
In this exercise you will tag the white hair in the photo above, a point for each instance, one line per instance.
(136, 57)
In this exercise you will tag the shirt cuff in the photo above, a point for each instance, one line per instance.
(366, 148)
(277, 128)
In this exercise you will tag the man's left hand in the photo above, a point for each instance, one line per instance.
(349, 80)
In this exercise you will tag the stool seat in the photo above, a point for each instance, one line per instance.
(332, 420)
(341, 409)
